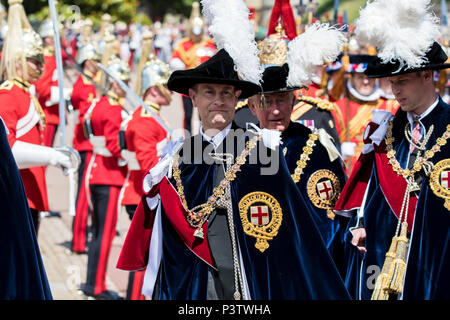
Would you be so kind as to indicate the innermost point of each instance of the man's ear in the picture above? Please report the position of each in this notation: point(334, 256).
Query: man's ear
point(237, 93)
point(192, 95)
point(252, 103)
point(428, 74)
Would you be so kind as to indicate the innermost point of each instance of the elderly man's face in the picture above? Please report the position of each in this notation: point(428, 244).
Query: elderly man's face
point(363, 84)
point(216, 104)
point(277, 114)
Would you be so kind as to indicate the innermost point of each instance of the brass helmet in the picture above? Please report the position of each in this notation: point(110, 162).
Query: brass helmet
point(89, 51)
point(154, 73)
point(46, 29)
point(273, 49)
point(119, 68)
point(196, 23)
point(21, 41)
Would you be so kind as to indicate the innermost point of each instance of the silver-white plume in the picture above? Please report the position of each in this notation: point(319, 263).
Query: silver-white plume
point(231, 29)
point(319, 43)
point(402, 30)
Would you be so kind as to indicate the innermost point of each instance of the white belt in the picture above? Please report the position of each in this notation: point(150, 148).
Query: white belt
point(130, 157)
point(99, 144)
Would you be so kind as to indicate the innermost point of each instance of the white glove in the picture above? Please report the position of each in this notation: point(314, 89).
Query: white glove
point(54, 95)
point(28, 155)
point(348, 149)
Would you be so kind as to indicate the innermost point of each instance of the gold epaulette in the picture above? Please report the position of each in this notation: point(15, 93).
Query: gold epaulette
point(241, 104)
point(318, 103)
point(6, 85)
point(48, 51)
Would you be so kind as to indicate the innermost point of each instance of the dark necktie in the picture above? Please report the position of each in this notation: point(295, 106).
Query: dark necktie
point(416, 138)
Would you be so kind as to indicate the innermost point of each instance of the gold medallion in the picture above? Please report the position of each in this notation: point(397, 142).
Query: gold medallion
point(440, 181)
point(323, 190)
point(265, 216)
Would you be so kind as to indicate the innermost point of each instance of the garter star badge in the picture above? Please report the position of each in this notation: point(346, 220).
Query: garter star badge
point(323, 190)
point(261, 217)
point(440, 181)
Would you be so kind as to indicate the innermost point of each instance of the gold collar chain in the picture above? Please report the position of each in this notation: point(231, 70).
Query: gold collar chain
point(304, 157)
point(421, 161)
point(197, 216)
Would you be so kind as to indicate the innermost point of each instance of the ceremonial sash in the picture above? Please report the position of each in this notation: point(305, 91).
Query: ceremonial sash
point(134, 254)
point(392, 185)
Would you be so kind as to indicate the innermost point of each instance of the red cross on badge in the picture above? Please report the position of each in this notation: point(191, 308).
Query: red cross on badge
point(445, 179)
point(325, 189)
point(259, 215)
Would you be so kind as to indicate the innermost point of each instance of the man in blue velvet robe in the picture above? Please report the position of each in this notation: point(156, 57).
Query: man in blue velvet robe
point(258, 242)
point(399, 187)
point(22, 273)
point(318, 171)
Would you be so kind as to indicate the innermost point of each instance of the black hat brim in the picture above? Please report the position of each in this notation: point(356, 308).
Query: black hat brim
point(436, 61)
point(219, 69)
point(182, 84)
point(391, 71)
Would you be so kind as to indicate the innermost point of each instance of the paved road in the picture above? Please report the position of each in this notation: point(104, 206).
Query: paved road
point(67, 271)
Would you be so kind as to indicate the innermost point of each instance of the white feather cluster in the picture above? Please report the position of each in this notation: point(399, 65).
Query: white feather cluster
point(402, 30)
point(319, 43)
point(231, 29)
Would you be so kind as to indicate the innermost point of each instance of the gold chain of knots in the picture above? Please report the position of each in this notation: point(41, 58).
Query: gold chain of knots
point(198, 215)
point(406, 173)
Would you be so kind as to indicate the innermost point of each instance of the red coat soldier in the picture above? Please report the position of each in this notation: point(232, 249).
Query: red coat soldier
point(47, 85)
point(106, 175)
point(145, 139)
point(191, 52)
point(83, 95)
point(22, 64)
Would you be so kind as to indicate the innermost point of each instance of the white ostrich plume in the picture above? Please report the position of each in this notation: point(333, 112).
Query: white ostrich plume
point(402, 30)
point(319, 43)
point(231, 29)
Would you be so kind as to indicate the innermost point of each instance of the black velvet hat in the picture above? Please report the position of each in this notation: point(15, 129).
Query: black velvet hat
point(359, 62)
point(436, 58)
point(274, 80)
point(219, 69)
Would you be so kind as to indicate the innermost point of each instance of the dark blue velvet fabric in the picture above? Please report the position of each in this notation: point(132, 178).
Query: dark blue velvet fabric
point(296, 265)
point(294, 139)
point(22, 273)
point(428, 261)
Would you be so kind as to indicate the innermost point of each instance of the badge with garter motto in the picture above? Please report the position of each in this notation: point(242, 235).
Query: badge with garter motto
point(440, 181)
point(323, 190)
point(261, 217)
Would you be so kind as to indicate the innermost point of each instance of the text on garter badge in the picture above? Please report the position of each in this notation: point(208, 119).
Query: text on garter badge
point(261, 217)
point(323, 190)
point(440, 181)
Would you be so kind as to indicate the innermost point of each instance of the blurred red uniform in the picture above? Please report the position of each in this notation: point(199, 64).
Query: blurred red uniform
point(24, 118)
point(145, 138)
point(106, 178)
point(83, 94)
point(48, 93)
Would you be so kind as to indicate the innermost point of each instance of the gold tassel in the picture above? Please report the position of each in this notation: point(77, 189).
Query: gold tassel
point(382, 284)
point(397, 269)
point(378, 292)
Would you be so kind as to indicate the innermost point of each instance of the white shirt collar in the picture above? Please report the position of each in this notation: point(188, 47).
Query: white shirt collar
point(411, 116)
point(218, 138)
point(375, 95)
